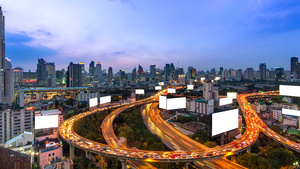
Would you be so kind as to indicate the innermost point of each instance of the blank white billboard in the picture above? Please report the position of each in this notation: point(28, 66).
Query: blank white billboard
point(190, 87)
point(158, 87)
point(202, 78)
point(42, 122)
point(171, 90)
point(291, 112)
point(93, 102)
point(176, 103)
point(105, 99)
point(232, 95)
point(163, 102)
point(139, 91)
point(225, 121)
point(288, 90)
point(224, 101)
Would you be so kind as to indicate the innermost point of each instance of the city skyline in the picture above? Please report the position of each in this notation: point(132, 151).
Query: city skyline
point(204, 35)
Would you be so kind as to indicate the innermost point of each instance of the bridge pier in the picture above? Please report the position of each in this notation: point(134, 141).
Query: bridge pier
point(233, 158)
point(248, 150)
point(123, 163)
point(186, 165)
point(88, 154)
point(72, 149)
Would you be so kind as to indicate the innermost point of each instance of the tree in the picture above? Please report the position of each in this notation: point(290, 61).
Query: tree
point(210, 144)
point(276, 129)
point(253, 161)
point(70, 102)
point(280, 157)
point(126, 131)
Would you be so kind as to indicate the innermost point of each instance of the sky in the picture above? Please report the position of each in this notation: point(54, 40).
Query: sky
point(204, 34)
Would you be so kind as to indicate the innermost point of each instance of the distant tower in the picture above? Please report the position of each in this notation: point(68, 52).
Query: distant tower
point(98, 71)
point(92, 68)
point(262, 71)
point(110, 74)
point(295, 70)
point(2, 40)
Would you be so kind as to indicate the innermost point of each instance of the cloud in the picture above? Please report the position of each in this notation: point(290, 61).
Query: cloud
point(274, 16)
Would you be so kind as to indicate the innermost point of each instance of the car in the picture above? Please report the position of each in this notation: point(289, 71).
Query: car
point(146, 155)
point(189, 157)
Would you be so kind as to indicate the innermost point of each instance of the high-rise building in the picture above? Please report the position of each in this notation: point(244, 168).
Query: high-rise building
point(41, 71)
point(152, 72)
point(167, 72)
point(262, 71)
point(209, 92)
point(60, 77)
point(248, 74)
point(221, 70)
point(9, 86)
point(279, 74)
point(18, 75)
point(51, 69)
point(133, 75)
point(2, 40)
point(191, 73)
point(295, 69)
point(98, 71)
point(74, 75)
point(110, 74)
point(15, 122)
point(140, 72)
point(92, 68)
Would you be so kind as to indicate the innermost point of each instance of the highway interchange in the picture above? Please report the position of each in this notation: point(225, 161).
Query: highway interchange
point(185, 149)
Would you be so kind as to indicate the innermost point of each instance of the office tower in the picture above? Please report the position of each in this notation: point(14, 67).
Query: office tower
point(51, 69)
point(110, 74)
point(74, 75)
point(18, 75)
point(239, 74)
point(279, 74)
point(133, 75)
point(295, 70)
point(248, 74)
point(7, 64)
point(167, 72)
point(213, 71)
point(92, 68)
point(140, 72)
point(2, 40)
point(262, 71)
point(16, 122)
point(221, 70)
point(98, 71)
point(271, 74)
point(152, 72)
point(81, 65)
point(191, 73)
point(209, 92)
point(8, 86)
point(41, 71)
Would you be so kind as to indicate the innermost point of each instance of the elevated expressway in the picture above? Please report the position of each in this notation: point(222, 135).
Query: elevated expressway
point(175, 140)
point(194, 153)
point(251, 114)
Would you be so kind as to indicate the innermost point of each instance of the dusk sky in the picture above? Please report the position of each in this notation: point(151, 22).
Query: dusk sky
point(124, 33)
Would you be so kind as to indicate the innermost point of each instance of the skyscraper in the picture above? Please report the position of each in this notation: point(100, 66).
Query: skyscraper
point(92, 68)
point(295, 67)
point(133, 75)
point(152, 72)
point(279, 74)
point(74, 75)
point(51, 69)
point(262, 71)
point(2, 40)
point(41, 70)
point(110, 74)
point(167, 72)
point(98, 71)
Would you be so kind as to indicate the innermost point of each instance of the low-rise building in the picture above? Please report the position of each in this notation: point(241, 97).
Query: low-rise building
point(204, 107)
point(50, 152)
